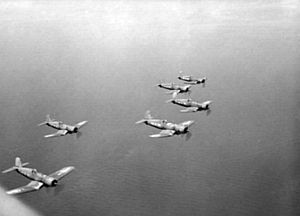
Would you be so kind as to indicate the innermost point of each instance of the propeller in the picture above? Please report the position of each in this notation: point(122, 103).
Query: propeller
point(58, 188)
point(78, 134)
point(186, 135)
point(208, 111)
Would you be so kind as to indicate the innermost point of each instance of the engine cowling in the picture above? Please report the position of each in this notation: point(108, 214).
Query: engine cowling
point(72, 129)
point(50, 181)
point(181, 129)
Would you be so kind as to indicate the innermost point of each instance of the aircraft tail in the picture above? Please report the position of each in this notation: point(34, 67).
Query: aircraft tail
point(170, 100)
point(18, 164)
point(48, 119)
point(180, 74)
point(146, 117)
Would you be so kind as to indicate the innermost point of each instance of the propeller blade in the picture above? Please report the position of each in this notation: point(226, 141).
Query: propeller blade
point(188, 136)
point(78, 134)
point(208, 112)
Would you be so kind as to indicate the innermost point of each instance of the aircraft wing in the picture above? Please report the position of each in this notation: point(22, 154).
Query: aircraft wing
point(191, 82)
point(32, 186)
point(57, 134)
point(175, 93)
point(80, 124)
point(187, 123)
point(190, 109)
point(163, 133)
point(62, 172)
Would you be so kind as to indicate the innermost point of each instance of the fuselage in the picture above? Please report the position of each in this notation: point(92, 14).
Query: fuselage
point(172, 86)
point(192, 80)
point(33, 174)
point(164, 125)
point(157, 123)
point(186, 78)
point(61, 126)
point(186, 103)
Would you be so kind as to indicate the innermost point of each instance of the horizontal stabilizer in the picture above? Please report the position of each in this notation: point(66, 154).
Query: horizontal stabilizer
point(141, 121)
point(10, 169)
point(43, 123)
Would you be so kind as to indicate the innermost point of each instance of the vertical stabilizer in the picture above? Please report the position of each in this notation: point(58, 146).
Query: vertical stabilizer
point(18, 162)
point(148, 115)
point(48, 119)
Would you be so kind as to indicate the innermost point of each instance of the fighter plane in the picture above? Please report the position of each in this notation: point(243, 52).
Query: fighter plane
point(190, 80)
point(38, 179)
point(192, 106)
point(63, 129)
point(168, 129)
point(175, 88)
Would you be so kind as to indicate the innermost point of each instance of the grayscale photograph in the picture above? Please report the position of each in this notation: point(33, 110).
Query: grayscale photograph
point(150, 108)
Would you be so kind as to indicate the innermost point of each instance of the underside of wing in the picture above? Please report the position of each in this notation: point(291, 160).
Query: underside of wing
point(62, 172)
point(163, 133)
point(80, 124)
point(190, 109)
point(191, 82)
point(32, 186)
point(57, 134)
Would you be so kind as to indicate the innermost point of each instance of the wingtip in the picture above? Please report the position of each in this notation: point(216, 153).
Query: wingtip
point(70, 168)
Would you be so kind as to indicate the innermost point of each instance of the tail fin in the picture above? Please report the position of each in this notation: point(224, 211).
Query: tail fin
point(180, 75)
point(48, 119)
point(18, 163)
point(146, 117)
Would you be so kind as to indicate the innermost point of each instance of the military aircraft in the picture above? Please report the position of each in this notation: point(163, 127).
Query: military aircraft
point(190, 80)
point(192, 106)
point(38, 179)
point(168, 129)
point(175, 88)
point(63, 129)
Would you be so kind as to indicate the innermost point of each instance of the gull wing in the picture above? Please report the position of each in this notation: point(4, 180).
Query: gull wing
point(62, 172)
point(190, 109)
point(80, 124)
point(163, 133)
point(193, 82)
point(32, 186)
point(57, 134)
point(187, 123)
